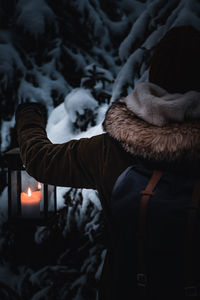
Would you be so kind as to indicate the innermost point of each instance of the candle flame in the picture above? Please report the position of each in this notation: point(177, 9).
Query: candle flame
point(29, 192)
point(39, 186)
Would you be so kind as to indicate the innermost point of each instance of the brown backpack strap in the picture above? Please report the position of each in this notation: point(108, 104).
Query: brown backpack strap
point(146, 194)
point(190, 284)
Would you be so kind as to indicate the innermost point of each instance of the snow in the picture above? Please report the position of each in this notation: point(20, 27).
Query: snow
point(41, 295)
point(145, 24)
point(129, 74)
point(90, 195)
point(121, 41)
point(60, 123)
point(62, 131)
point(39, 234)
point(153, 39)
point(99, 271)
point(4, 206)
point(92, 69)
point(158, 17)
point(77, 101)
point(188, 14)
point(61, 191)
point(77, 57)
point(56, 115)
point(42, 90)
point(108, 59)
point(28, 92)
point(10, 61)
point(135, 7)
point(33, 16)
point(7, 275)
point(5, 133)
point(95, 20)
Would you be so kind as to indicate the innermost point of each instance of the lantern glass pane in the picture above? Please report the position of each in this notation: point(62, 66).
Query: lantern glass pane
point(14, 188)
point(28, 182)
point(31, 196)
point(51, 197)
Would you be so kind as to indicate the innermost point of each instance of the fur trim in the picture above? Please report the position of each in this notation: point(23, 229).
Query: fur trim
point(173, 142)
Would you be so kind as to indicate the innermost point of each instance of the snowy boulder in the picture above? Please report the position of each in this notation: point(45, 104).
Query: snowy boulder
point(59, 128)
point(81, 107)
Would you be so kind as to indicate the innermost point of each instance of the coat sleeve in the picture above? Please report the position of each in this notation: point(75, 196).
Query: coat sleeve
point(77, 163)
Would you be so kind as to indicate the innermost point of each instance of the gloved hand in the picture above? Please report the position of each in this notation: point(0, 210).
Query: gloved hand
point(41, 108)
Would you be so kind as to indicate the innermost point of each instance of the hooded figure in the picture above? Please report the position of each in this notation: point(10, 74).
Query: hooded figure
point(157, 125)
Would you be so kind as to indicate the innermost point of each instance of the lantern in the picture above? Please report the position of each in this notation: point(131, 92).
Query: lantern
point(27, 198)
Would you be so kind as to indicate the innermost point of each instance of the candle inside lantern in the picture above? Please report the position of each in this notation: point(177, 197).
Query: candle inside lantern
point(30, 203)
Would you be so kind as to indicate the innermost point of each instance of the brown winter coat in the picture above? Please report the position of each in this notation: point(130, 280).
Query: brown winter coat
point(97, 162)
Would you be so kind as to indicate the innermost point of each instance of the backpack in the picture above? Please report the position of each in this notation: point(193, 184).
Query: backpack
point(155, 235)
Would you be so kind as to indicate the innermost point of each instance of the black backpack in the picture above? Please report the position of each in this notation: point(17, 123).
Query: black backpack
point(155, 235)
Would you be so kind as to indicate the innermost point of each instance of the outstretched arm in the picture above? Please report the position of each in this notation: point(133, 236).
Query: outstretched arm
point(77, 163)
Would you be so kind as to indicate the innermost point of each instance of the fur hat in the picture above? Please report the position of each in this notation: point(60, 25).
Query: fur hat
point(175, 65)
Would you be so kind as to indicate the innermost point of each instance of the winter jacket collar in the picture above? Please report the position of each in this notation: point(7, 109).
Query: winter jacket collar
point(156, 106)
point(129, 121)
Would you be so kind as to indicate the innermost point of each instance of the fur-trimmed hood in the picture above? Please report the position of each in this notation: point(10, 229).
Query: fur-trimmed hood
point(174, 141)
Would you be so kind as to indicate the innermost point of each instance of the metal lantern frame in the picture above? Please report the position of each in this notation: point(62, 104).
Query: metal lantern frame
point(14, 163)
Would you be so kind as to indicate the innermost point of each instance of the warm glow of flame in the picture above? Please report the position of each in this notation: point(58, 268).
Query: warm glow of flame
point(29, 192)
point(39, 186)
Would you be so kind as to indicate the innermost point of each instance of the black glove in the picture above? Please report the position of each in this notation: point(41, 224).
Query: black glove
point(41, 108)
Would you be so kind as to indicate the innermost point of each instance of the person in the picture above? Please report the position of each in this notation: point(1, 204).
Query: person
point(157, 125)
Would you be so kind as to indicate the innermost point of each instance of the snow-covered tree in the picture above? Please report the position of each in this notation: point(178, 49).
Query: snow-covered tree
point(74, 56)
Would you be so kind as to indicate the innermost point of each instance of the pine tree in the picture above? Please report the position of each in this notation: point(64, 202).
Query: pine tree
point(48, 50)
